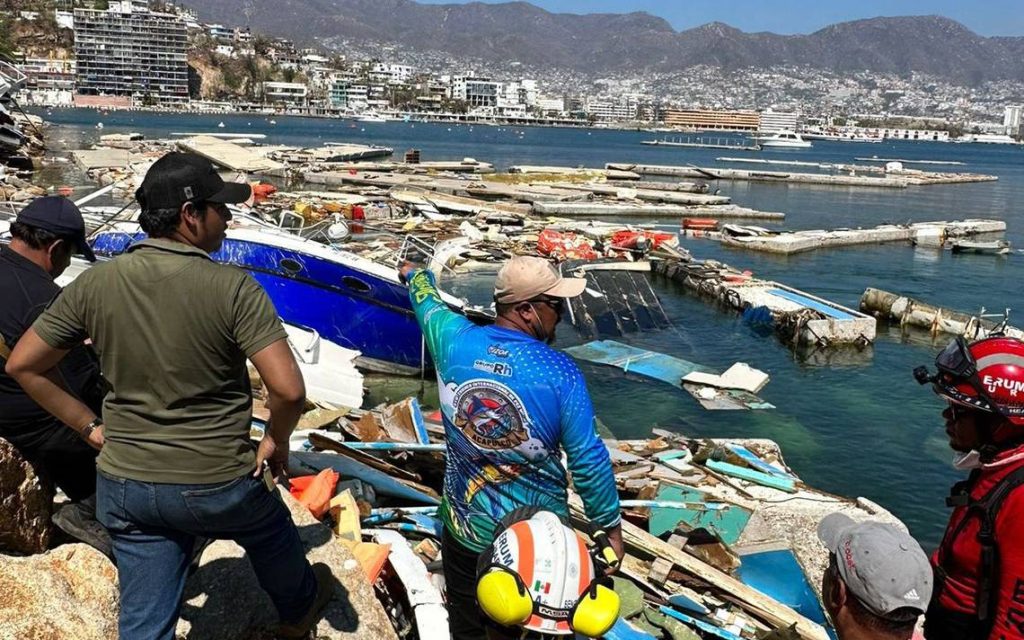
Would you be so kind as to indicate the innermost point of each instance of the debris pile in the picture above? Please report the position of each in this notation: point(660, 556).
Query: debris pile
point(700, 519)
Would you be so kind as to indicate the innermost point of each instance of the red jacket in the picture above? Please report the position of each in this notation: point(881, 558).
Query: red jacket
point(960, 558)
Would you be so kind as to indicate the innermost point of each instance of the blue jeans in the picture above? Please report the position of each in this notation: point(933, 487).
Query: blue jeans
point(154, 527)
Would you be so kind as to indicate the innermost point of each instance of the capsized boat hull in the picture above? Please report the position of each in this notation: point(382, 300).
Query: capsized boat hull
point(350, 307)
point(1000, 247)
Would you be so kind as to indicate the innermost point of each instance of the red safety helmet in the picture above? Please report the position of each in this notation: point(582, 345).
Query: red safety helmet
point(987, 375)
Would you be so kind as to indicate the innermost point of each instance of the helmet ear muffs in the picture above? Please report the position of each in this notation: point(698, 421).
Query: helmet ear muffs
point(596, 611)
point(503, 597)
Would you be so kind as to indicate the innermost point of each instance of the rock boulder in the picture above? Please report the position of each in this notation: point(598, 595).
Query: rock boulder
point(26, 503)
point(223, 600)
point(69, 592)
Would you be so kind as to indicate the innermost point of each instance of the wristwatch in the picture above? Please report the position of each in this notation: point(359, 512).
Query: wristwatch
point(92, 426)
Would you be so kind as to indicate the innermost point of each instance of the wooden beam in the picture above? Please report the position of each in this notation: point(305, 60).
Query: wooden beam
point(750, 599)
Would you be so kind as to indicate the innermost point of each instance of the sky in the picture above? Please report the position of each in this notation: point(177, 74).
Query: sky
point(985, 17)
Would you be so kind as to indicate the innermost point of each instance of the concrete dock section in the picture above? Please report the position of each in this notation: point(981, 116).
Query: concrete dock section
point(799, 318)
point(891, 180)
point(932, 233)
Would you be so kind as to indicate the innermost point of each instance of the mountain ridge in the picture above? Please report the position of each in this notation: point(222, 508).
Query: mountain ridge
point(631, 42)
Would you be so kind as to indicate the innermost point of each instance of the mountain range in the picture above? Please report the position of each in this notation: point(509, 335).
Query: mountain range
point(630, 42)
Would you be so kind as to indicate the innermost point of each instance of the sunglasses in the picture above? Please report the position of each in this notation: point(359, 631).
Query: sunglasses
point(556, 304)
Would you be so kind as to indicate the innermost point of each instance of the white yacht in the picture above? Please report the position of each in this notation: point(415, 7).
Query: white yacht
point(784, 140)
point(371, 116)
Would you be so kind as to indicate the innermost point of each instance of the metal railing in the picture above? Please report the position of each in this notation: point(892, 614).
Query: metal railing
point(12, 75)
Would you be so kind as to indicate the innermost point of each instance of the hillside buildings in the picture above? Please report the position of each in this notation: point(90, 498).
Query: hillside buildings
point(130, 54)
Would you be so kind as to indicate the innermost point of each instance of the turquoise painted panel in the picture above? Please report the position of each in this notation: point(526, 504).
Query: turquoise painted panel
point(634, 360)
point(726, 522)
point(775, 482)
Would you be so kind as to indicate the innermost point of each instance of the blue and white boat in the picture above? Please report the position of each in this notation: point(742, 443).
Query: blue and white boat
point(348, 299)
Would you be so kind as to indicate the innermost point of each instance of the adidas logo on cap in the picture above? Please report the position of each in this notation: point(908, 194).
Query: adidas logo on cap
point(911, 595)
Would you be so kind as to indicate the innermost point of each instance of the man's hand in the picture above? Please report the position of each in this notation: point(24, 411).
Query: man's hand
point(405, 270)
point(610, 541)
point(287, 398)
point(274, 455)
point(95, 439)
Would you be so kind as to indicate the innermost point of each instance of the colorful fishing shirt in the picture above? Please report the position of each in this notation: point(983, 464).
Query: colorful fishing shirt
point(510, 405)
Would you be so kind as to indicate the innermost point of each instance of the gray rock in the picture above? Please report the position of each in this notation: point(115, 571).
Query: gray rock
point(69, 592)
point(26, 503)
point(223, 600)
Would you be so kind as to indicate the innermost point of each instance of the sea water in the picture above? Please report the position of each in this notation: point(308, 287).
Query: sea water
point(859, 426)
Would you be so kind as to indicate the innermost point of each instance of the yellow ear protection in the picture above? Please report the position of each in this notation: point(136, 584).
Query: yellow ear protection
point(503, 596)
point(506, 599)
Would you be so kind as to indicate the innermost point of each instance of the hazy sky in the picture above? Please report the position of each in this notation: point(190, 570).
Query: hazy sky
point(986, 17)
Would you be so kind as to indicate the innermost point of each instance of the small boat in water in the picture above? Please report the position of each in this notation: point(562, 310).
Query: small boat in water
point(783, 140)
point(991, 247)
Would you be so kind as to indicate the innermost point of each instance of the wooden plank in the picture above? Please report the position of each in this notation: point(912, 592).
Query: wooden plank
point(307, 462)
point(749, 599)
point(321, 441)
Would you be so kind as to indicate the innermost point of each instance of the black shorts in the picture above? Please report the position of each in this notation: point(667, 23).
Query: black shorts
point(465, 619)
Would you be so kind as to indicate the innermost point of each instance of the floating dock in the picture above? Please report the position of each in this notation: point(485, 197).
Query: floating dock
point(601, 209)
point(609, 174)
point(907, 161)
point(574, 199)
point(909, 312)
point(890, 181)
point(703, 143)
point(931, 234)
point(799, 318)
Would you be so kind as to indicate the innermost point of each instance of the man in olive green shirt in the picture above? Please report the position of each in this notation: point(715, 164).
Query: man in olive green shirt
point(173, 330)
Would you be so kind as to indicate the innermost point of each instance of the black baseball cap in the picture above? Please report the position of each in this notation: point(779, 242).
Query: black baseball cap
point(178, 178)
point(61, 217)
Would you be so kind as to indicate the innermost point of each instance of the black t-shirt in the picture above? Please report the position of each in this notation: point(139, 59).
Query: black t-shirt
point(25, 291)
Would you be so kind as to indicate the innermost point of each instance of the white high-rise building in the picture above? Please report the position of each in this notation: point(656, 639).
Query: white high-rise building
point(129, 51)
point(1013, 118)
point(772, 121)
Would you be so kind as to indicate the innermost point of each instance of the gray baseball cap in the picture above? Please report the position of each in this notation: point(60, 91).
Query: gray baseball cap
point(883, 567)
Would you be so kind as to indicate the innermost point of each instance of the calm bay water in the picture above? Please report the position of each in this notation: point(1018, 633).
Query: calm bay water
point(860, 427)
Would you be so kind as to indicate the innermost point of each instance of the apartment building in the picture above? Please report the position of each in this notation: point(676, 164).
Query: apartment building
point(1013, 120)
point(129, 51)
point(292, 94)
point(772, 121)
point(614, 109)
point(50, 82)
point(477, 92)
point(713, 119)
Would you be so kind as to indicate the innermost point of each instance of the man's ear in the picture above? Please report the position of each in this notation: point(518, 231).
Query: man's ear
point(56, 247)
point(190, 215)
point(837, 594)
point(525, 309)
